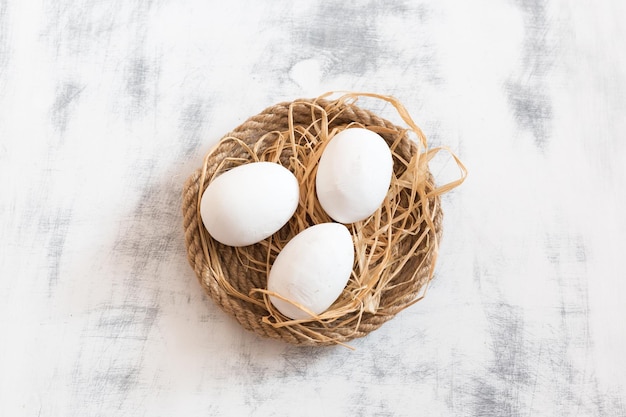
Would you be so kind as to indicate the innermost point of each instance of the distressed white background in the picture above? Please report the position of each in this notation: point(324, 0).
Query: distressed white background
point(107, 106)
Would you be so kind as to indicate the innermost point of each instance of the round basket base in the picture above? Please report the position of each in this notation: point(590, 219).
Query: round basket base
point(395, 249)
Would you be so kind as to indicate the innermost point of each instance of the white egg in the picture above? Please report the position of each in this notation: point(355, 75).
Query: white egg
point(353, 175)
point(312, 269)
point(249, 203)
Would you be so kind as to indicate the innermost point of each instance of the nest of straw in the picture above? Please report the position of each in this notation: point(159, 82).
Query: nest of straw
point(395, 248)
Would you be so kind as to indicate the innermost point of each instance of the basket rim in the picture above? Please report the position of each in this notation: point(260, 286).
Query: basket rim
point(245, 313)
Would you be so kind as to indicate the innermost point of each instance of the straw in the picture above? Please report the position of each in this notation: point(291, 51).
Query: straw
point(395, 248)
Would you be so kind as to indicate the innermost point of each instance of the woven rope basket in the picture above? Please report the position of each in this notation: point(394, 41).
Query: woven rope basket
point(396, 248)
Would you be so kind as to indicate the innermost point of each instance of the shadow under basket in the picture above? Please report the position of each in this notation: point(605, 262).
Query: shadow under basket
point(395, 248)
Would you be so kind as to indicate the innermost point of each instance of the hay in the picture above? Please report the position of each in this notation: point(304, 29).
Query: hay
point(395, 248)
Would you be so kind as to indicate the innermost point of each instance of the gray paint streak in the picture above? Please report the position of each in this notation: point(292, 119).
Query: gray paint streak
point(56, 227)
point(527, 93)
point(4, 41)
point(192, 123)
point(67, 95)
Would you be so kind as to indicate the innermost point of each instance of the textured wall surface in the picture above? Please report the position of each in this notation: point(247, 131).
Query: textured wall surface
point(106, 108)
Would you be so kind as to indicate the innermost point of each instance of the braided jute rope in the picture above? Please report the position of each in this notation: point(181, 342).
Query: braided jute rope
point(395, 248)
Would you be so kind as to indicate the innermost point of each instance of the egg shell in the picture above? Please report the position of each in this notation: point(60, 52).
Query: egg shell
point(249, 203)
point(353, 175)
point(312, 269)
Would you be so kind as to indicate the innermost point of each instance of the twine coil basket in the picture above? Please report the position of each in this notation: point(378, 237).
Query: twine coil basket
point(395, 248)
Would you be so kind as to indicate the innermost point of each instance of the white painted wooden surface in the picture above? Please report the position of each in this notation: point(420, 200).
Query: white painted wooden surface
point(106, 108)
